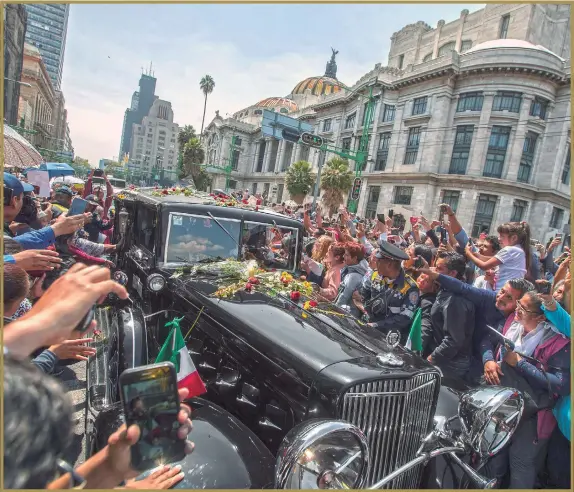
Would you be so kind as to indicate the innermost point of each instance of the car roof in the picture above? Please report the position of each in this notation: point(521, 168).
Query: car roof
point(180, 203)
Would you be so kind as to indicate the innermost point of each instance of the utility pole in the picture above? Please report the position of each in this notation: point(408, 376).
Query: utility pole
point(322, 155)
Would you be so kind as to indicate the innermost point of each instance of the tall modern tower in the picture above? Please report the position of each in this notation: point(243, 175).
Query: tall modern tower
point(141, 103)
point(46, 29)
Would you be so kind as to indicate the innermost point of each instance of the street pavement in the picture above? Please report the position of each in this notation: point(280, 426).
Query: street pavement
point(74, 381)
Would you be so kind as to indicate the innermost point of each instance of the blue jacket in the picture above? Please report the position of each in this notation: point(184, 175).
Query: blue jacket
point(33, 239)
point(561, 320)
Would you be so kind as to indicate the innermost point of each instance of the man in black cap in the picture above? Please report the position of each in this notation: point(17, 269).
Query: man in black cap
point(390, 296)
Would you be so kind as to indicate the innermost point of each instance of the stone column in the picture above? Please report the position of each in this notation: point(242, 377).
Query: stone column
point(374, 137)
point(396, 149)
point(268, 150)
point(297, 152)
point(280, 156)
point(437, 38)
point(257, 145)
point(463, 15)
point(480, 138)
point(514, 152)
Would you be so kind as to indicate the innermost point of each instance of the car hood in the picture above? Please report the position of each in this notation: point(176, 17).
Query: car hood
point(300, 341)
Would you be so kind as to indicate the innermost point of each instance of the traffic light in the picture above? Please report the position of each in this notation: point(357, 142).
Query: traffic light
point(290, 135)
point(312, 140)
point(356, 191)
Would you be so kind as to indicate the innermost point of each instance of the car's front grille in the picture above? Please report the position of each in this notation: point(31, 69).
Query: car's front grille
point(395, 415)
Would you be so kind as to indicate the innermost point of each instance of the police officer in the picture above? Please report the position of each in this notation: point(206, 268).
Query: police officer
point(390, 296)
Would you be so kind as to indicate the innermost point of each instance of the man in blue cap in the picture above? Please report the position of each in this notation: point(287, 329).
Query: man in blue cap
point(390, 296)
point(14, 198)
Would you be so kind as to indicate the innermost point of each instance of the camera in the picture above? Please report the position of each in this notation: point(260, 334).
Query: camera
point(29, 212)
point(98, 173)
point(544, 287)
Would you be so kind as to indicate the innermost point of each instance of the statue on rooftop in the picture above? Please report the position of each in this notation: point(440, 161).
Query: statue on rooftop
point(331, 69)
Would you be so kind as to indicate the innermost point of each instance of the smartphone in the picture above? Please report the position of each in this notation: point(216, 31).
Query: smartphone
point(391, 213)
point(470, 243)
point(151, 401)
point(443, 238)
point(558, 236)
point(78, 207)
point(381, 218)
point(419, 262)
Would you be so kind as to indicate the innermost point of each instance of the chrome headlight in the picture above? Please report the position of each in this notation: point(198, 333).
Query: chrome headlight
point(322, 454)
point(489, 416)
point(155, 282)
point(121, 278)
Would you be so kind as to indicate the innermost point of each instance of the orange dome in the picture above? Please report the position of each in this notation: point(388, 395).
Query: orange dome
point(278, 102)
point(318, 85)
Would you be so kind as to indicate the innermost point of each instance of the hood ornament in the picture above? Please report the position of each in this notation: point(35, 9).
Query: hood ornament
point(389, 360)
point(393, 338)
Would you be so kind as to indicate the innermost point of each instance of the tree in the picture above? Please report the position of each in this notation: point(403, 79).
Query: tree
point(81, 167)
point(185, 135)
point(206, 84)
point(192, 160)
point(299, 180)
point(336, 182)
point(113, 168)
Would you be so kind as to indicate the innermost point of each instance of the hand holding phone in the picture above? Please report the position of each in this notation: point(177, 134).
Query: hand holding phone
point(419, 262)
point(78, 207)
point(151, 401)
point(381, 218)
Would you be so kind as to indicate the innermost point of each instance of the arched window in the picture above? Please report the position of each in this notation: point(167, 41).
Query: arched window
point(466, 45)
point(445, 49)
point(257, 112)
point(427, 58)
point(284, 110)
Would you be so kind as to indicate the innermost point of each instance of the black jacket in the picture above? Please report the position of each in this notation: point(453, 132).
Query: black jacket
point(452, 318)
point(427, 302)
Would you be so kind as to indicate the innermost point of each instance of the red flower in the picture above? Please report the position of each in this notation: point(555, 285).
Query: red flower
point(248, 287)
point(173, 189)
point(295, 295)
point(313, 303)
point(164, 192)
point(253, 280)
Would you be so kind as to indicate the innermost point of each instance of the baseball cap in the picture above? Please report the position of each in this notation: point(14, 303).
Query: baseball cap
point(65, 190)
point(17, 186)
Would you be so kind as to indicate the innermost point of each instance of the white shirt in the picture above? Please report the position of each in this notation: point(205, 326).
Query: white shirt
point(513, 265)
point(481, 283)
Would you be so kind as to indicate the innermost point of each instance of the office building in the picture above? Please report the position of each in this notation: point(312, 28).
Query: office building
point(47, 28)
point(140, 106)
point(154, 148)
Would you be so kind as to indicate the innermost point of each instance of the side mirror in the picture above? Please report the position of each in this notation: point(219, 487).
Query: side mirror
point(322, 454)
point(489, 416)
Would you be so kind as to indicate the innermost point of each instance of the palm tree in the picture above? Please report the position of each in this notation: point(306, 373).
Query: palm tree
point(185, 135)
point(336, 181)
point(206, 84)
point(193, 157)
point(299, 180)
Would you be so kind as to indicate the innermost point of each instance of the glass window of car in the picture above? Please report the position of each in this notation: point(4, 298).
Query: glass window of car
point(194, 238)
point(145, 229)
point(271, 246)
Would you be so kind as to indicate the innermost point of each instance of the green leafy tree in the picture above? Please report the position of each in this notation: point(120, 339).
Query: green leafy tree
point(336, 182)
point(299, 180)
point(81, 167)
point(192, 160)
point(115, 169)
point(185, 135)
point(206, 84)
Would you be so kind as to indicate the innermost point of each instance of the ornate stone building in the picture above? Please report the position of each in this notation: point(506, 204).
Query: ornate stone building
point(475, 113)
point(14, 33)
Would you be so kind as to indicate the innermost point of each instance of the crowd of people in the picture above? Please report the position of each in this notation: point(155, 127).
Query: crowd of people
point(453, 299)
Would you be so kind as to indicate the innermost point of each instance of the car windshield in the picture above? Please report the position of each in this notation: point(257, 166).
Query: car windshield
point(194, 238)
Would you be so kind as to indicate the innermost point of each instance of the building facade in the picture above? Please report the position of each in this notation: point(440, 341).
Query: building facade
point(14, 34)
point(47, 29)
point(37, 101)
point(140, 106)
point(475, 112)
point(154, 144)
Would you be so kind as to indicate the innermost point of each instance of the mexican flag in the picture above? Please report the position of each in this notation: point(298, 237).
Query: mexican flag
point(175, 351)
point(415, 341)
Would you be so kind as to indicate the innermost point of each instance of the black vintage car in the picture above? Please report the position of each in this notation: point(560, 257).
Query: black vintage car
point(297, 397)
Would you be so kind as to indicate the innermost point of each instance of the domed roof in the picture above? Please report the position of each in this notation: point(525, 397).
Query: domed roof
point(509, 43)
point(318, 85)
point(278, 102)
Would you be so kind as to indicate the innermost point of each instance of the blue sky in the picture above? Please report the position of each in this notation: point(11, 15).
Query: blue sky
point(251, 51)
